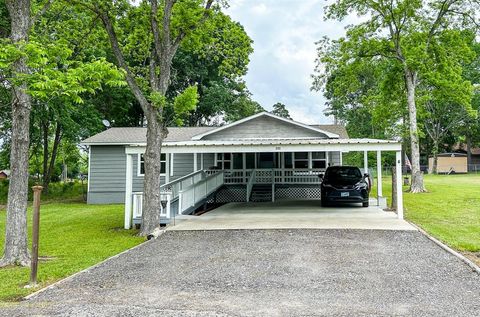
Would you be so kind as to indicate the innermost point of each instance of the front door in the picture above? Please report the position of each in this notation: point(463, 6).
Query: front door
point(268, 160)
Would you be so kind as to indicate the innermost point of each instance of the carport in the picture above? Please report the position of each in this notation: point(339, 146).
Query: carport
point(291, 214)
point(259, 158)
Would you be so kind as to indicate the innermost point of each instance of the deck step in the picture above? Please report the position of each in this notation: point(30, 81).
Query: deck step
point(261, 193)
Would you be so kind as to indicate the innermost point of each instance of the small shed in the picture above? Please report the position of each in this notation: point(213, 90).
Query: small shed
point(449, 163)
point(4, 174)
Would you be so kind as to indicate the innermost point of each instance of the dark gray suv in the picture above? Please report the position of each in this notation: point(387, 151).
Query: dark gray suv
point(344, 184)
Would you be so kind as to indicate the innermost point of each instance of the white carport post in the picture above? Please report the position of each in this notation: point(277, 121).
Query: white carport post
point(398, 167)
point(365, 162)
point(128, 192)
point(379, 176)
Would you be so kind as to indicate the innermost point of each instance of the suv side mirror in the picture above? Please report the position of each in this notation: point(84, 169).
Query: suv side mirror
point(366, 175)
point(320, 176)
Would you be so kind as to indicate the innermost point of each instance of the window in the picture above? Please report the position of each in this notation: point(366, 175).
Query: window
point(237, 161)
point(224, 161)
point(288, 160)
point(141, 165)
point(250, 161)
point(300, 160)
point(319, 160)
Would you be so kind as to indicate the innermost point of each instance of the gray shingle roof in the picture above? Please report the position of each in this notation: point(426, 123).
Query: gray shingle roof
point(138, 135)
point(333, 128)
point(175, 134)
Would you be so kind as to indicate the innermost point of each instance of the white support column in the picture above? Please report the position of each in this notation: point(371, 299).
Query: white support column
point(128, 192)
point(89, 164)
point(201, 162)
point(365, 162)
point(167, 168)
point(379, 174)
point(195, 162)
point(379, 180)
point(341, 158)
point(398, 167)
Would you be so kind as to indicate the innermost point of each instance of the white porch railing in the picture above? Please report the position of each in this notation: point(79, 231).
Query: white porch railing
point(194, 187)
point(137, 202)
point(189, 197)
point(275, 176)
point(180, 183)
point(251, 181)
point(169, 192)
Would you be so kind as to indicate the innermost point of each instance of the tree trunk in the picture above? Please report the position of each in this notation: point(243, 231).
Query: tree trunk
point(151, 187)
point(51, 165)
point(435, 157)
point(393, 206)
point(469, 153)
point(417, 185)
point(45, 150)
point(16, 250)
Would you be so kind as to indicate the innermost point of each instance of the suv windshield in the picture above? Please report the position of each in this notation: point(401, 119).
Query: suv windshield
point(343, 173)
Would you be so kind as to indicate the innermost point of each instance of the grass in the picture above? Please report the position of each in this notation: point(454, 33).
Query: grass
point(75, 236)
point(450, 210)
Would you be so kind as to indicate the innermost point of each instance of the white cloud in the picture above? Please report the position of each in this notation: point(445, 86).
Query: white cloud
point(284, 34)
point(259, 9)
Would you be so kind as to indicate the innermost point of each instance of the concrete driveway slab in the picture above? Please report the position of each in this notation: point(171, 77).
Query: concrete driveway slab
point(291, 215)
point(270, 273)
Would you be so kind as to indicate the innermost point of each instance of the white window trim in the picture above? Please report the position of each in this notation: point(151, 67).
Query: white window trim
point(139, 163)
point(311, 159)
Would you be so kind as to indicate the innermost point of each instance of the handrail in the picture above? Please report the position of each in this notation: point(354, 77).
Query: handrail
point(251, 181)
point(188, 197)
point(178, 180)
point(177, 185)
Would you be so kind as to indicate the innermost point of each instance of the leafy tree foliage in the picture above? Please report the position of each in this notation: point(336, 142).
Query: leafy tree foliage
point(36, 68)
point(420, 44)
point(279, 109)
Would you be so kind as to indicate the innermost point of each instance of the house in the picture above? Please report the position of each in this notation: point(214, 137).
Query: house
point(261, 157)
point(448, 163)
point(4, 174)
point(473, 156)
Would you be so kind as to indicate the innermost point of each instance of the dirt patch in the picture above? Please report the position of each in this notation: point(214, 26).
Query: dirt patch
point(473, 256)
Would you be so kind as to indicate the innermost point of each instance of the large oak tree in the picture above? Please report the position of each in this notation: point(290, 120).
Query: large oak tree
point(418, 40)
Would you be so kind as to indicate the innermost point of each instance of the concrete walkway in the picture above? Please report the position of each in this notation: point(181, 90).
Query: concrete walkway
point(291, 215)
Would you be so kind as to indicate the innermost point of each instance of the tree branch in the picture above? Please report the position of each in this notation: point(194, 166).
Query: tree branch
point(42, 11)
point(183, 33)
point(130, 77)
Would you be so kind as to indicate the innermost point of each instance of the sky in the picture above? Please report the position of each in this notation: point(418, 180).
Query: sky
point(284, 34)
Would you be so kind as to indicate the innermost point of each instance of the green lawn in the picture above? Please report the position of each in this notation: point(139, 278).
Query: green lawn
point(450, 210)
point(76, 236)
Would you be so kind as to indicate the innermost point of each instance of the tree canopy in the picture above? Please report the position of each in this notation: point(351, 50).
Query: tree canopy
point(404, 57)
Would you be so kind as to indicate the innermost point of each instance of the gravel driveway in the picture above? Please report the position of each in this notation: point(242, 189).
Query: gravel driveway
point(270, 273)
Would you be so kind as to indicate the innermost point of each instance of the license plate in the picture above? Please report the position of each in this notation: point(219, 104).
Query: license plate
point(344, 194)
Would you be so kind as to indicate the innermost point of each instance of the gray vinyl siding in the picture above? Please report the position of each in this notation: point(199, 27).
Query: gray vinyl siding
point(137, 182)
point(107, 174)
point(334, 158)
point(265, 127)
point(182, 165)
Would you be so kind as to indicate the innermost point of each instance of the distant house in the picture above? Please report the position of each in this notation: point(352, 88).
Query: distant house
point(474, 160)
point(260, 158)
point(4, 174)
